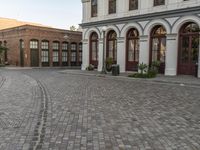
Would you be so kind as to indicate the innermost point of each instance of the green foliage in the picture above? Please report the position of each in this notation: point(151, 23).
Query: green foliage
point(72, 28)
point(90, 67)
point(109, 63)
point(155, 66)
point(142, 67)
point(151, 73)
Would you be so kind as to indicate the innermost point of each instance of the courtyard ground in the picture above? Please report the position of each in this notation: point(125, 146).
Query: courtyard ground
point(58, 109)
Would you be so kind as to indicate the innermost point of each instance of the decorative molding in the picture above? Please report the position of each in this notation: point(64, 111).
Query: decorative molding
point(150, 16)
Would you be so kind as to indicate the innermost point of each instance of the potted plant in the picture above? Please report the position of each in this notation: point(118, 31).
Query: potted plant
point(90, 67)
point(109, 63)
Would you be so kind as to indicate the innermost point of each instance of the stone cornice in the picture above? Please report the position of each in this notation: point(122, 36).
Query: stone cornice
point(150, 16)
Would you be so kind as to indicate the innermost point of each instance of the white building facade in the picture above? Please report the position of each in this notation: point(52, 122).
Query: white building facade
point(143, 31)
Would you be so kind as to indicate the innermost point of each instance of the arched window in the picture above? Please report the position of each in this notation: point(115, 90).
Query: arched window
point(158, 46)
point(45, 53)
point(112, 6)
point(65, 53)
point(73, 54)
point(94, 49)
point(112, 45)
point(34, 48)
point(94, 8)
point(188, 49)
point(132, 52)
point(56, 47)
point(133, 4)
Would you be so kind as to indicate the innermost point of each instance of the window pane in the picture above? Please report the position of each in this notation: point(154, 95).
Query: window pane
point(45, 45)
point(55, 56)
point(73, 56)
point(64, 56)
point(45, 56)
point(65, 46)
point(131, 50)
point(185, 50)
point(155, 49)
point(133, 4)
point(112, 6)
point(55, 46)
point(33, 44)
point(162, 49)
point(94, 8)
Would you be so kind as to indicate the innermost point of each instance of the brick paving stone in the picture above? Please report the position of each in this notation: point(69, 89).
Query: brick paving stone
point(96, 113)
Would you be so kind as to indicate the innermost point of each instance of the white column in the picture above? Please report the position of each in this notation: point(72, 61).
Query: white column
point(171, 55)
point(100, 54)
point(121, 54)
point(85, 61)
point(144, 50)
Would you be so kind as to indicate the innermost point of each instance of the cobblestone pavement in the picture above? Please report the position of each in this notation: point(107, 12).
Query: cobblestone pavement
point(46, 109)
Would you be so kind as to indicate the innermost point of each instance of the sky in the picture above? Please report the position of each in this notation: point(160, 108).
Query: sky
point(55, 13)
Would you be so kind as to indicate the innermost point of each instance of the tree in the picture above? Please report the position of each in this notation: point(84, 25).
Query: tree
point(72, 28)
point(2, 51)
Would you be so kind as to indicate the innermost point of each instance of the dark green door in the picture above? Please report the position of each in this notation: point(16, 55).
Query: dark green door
point(34, 58)
point(21, 57)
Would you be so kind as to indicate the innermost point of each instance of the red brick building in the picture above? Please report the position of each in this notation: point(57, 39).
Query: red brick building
point(36, 46)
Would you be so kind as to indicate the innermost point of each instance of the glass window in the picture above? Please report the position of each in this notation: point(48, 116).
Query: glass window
point(73, 56)
point(55, 45)
point(55, 56)
point(133, 4)
point(73, 47)
point(45, 56)
point(64, 56)
point(33, 44)
point(159, 2)
point(112, 45)
point(112, 6)
point(65, 46)
point(45, 45)
point(94, 8)
point(133, 45)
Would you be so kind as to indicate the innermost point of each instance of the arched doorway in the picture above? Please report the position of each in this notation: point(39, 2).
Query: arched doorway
point(188, 48)
point(158, 46)
point(112, 46)
point(132, 50)
point(94, 49)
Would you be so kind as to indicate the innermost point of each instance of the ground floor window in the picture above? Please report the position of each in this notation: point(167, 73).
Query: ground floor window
point(73, 54)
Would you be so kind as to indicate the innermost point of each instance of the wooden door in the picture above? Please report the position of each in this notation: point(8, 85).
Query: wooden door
point(188, 54)
point(34, 58)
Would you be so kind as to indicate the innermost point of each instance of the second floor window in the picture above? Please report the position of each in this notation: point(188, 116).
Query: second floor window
point(133, 4)
point(159, 2)
point(112, 6)
point(94, 8)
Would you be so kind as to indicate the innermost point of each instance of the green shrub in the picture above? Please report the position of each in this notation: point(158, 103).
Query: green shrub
point(90, 67)
point(109, 63)
point(142, 68)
